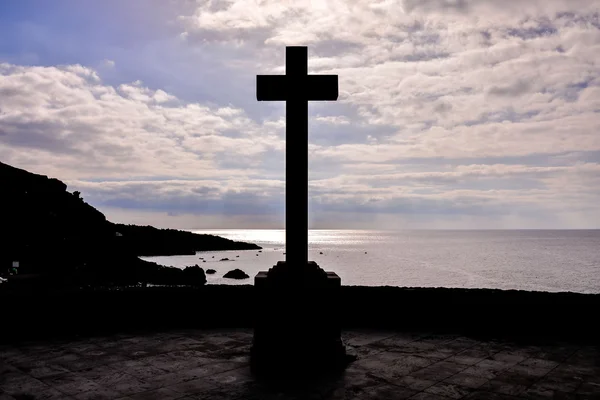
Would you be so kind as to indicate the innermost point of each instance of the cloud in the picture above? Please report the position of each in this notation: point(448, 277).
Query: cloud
point(334, 120)
point(65, 116)
point(515, 89)
point(481, 111)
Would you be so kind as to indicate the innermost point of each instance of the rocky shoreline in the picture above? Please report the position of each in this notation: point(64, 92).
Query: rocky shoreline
point(55, 236)
point(151, 241)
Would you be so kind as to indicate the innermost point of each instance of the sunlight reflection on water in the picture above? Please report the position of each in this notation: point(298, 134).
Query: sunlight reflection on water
point(526, 259)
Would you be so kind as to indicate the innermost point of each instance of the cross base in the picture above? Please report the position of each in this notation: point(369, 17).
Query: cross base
point(297, 329)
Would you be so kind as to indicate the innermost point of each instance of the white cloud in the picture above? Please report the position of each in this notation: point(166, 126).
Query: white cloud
point(333, 119)
point(95, 129)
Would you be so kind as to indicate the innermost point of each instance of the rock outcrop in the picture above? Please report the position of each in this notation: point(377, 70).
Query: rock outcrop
point(194, 275)
point(236, 274)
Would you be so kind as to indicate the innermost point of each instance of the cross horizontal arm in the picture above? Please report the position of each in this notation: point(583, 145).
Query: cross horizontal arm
point(322, 87)
point(285, 87)
point(271, 88)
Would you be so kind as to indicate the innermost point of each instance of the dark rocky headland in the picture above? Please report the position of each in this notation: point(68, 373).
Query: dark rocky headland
point(60, 239)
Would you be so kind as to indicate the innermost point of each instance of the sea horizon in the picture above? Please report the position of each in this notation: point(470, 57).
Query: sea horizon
point(551, 260)
point(395, 230)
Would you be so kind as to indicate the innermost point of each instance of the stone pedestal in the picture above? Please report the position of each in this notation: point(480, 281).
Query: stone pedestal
point(296, 323)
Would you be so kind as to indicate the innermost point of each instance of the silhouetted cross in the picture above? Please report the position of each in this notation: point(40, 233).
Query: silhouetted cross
point(296, 88)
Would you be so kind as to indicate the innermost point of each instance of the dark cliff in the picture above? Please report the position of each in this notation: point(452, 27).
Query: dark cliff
point(50, 230)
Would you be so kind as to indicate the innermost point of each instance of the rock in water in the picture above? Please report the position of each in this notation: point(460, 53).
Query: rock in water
point(236, 274)
point(194, 276)
point(225, 259)
point(210, 271)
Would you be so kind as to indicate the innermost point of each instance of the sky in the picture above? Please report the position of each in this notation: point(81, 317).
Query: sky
point(452, 114)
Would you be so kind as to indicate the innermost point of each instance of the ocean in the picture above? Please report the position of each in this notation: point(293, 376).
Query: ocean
point(543, 260)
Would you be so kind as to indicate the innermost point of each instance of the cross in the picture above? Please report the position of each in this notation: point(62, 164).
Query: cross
point(296, 88)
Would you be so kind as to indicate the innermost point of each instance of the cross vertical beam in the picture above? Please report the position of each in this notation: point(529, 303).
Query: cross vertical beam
point(297, 88)
point(296, 160)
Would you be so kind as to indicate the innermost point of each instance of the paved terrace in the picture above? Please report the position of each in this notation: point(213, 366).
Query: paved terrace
point(213, 364)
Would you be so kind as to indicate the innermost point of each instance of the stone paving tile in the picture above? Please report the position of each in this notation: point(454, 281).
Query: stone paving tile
point(471, 356)
point(483, 395)
point(515, 377)
point(449, 390)
point(438, 353)
point(578, 370)
point(123, 383)
point(388, 342)
point(508, 358)
point(559, 380)
point(466, 380)
point(439, 371)
point(45, 394)
point(22, 384)
point(528, 371)
point(238, 376)
point(539, 393)
point(157, 394)
point(559, 353)
point(538, 363)
point(98, 393)
point(387, 391)
point(416, 348)
point(98, 373)
point(213, 394)
point(365, 337)
point(170, 364)
point(353, 381)
point(363, 351)
point(71, 383)
point(393, 365)
point(427, 396)
point(588, 356)
point(487, 368)
point(144, 371)
point(501, 387)
point(165, 380)
point(413, 383)
point(589, 389)
point(194, 386)
point(209, 369)
point(237, 354)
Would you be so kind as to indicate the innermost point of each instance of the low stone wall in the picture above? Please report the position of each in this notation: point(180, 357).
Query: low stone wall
point(468, 311)
point(487, 312)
